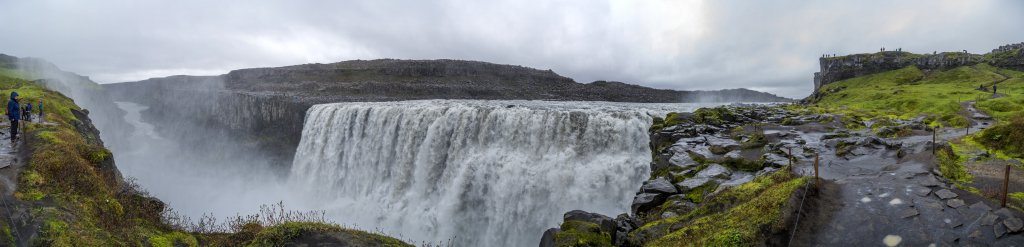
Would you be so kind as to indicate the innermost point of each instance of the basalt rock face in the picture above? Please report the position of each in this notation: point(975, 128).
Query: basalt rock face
point(835, 69)
point(839, 68)
point(389, 79)
point(1009, 56)
point(198, 109)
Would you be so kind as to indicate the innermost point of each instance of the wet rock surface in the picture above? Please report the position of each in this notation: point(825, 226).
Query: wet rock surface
point(883, 189)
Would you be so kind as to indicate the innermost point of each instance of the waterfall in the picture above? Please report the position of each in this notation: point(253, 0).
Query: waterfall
point(486, 173)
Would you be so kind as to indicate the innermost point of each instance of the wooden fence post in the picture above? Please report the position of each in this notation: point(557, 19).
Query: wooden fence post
point(1006, 183)
point(815, 166)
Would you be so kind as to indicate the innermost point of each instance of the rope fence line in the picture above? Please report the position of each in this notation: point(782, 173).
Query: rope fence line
point(803, 197)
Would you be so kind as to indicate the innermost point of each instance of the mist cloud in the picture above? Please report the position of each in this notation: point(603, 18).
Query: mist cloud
point(770, 46)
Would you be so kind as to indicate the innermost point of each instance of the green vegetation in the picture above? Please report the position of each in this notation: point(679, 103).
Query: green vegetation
point(907, 93)
point(580, 233)
point(1005, 139)
point(738, 216)
point(951, 164)
point(713, 116)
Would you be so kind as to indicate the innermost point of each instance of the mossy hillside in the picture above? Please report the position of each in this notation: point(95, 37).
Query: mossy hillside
point(1006, 139)
point(72, 180)
point(734, 217)
point(909, 92)
point(79, 199)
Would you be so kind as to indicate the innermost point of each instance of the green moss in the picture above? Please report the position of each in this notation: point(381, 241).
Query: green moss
point(673, 118)
point(49, 137)
point(956, 121)
point(756, 140)
point(580, 233)
point(951, 165)
point(99, 155)
point(852, 122)
point(172, 239)
point(713, 116)
point(657, 123)
point(281, 234)
point(790, 121)
point(743, 225)
point(8, 238)
point(744, 164)
point(909, 92)
point(696, 195)
point(1004, 138)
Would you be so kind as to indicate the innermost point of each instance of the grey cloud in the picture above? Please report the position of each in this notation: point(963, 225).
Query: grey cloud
point(691, 45)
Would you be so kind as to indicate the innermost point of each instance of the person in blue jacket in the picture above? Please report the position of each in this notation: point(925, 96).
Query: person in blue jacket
point(14, 114)
point(40, 109)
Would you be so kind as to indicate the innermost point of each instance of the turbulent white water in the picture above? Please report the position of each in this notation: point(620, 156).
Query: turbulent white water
point(487, 173)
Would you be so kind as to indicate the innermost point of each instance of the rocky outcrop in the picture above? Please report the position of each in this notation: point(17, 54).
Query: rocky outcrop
point(391, 79)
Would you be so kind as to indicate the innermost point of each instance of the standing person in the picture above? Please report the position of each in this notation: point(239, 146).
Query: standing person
point(28, 110)
point(40, 109)
point(14, 114)
point(993, 89)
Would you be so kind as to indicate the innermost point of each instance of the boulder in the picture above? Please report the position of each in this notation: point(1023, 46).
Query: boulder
point(692, 183)
point(1013, 225)
point(775, 160)
point(682, 159)
point(624, 223)
point(606, 223)
point(679, 204)
point(660, 162)
point(736, 181)
point(659, 185)
point(644, 202)
point(945, 194)
point(718, 145)
point(765, 171)
point(548, 239)
point(668, 214)
point(702, 151)
point(715, 171)
point(682, 174)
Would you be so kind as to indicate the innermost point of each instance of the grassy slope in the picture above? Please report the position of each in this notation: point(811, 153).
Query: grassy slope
point(78, 201)
point(909, 92)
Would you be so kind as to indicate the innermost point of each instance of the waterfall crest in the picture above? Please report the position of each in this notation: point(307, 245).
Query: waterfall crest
point(487, 173)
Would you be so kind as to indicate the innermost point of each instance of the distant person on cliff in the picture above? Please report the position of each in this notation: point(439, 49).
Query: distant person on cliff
point(40, 108)
point(993, 89)
point(14, 114)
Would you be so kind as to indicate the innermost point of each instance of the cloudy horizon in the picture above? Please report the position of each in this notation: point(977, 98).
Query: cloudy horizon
point(682, 45)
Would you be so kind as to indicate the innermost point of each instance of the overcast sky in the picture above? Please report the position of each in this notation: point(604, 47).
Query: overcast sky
point(770, 46)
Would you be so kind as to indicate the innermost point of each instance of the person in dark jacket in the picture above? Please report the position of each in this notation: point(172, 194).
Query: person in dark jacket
point(40, 109)
point(14, 114)
point(28, 111)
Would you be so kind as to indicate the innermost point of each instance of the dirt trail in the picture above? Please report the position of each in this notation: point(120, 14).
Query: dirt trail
point(876, 195)
point(13, 212)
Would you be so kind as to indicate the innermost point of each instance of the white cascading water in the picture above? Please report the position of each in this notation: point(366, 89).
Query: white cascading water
point(480, 173)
